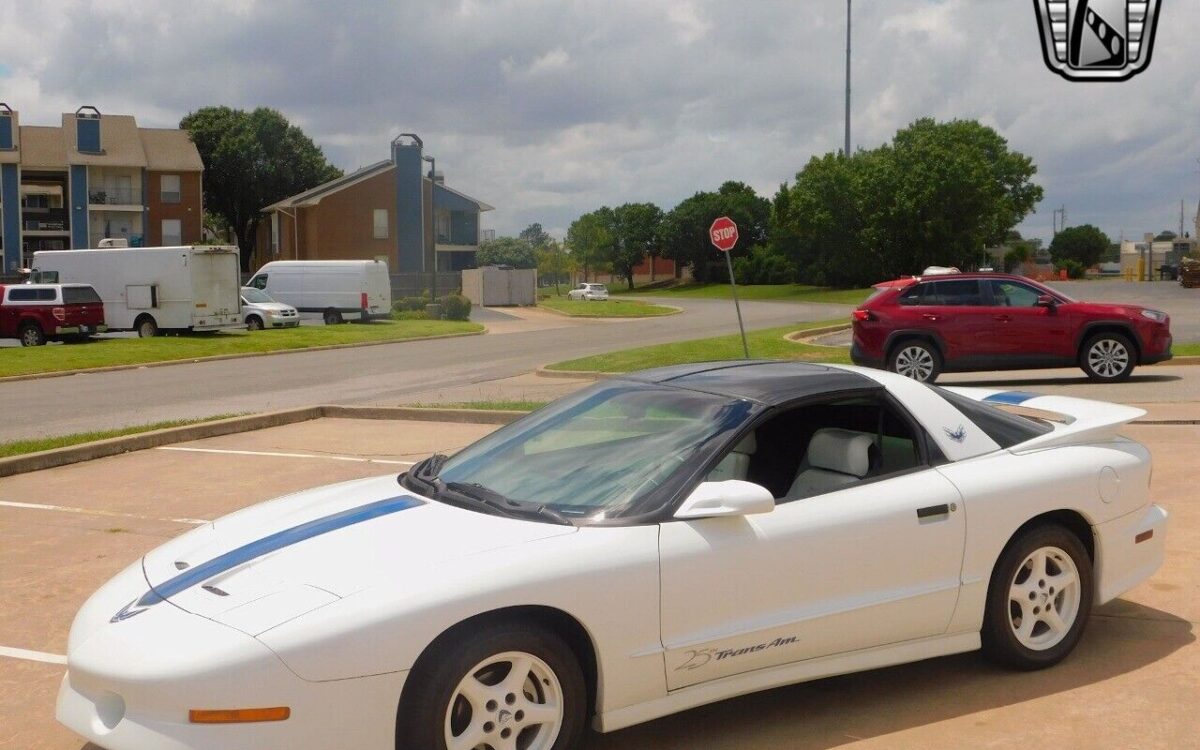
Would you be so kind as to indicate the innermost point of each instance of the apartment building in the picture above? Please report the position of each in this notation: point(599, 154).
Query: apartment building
point(91, 177)
point(394, 209)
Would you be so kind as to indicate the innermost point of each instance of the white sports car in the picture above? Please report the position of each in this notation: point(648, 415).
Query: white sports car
point(653, 543)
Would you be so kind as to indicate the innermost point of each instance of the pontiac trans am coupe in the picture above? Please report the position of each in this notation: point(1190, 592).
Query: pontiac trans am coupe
point(652, 543)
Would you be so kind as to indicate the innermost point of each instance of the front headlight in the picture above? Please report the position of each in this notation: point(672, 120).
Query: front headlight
point(1157, 316)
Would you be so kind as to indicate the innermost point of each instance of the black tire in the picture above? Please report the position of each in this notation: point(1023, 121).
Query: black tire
point(147, 327)
point(332, 317)
point(254, 323)
point(917, 359)
point(31, 334)
point(1108, 357)
point(1003, 613)
point(433, 682)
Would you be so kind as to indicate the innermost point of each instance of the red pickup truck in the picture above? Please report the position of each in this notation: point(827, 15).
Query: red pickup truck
point(36, 313)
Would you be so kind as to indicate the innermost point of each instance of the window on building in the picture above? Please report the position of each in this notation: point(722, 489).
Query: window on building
point(443, 226)
point(381, 224)
point(169, 188)
point(172, 232)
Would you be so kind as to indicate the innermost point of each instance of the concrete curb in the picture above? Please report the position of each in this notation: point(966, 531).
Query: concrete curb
point(219, 357)
point(805, 336)
point(673, 311)
point(73, 454)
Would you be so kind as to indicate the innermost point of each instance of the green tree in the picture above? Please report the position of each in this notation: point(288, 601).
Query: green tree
point(1165, 236)
point(590, 238)
point(684, 230)
point(636, 236)
point(1084, 244)
point(937, 195)
point(252, 159)
point(552, 262)
point(506, 251)
point(535, 236)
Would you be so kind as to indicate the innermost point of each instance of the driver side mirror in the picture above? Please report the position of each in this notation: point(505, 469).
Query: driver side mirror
point(733, 497)
point(1045, 300)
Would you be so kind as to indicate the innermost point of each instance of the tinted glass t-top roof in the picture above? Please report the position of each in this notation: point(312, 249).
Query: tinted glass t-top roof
point(765, 381)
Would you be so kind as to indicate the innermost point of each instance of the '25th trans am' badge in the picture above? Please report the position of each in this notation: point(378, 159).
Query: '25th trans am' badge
point(1097, 40)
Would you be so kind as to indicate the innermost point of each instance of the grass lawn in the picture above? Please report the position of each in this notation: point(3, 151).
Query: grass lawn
point(610, 309)
point(786, 292)
point(768, 343)
point(1185, 350)
point(486, 405)
point(21, 447)
point(107, 352)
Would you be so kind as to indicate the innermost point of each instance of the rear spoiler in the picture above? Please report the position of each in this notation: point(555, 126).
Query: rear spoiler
point(1078, 420)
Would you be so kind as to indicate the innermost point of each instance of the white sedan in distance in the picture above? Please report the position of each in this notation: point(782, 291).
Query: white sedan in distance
point(589, 293)
point(655, 542)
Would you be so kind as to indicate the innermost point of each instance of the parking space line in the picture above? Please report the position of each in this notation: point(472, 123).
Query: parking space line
point(42, 656)
point(97, 512)
point(271, 454)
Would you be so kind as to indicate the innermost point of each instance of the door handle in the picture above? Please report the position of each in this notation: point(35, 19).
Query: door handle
point(929, 316)
point(933, 510)
point(1002, 318)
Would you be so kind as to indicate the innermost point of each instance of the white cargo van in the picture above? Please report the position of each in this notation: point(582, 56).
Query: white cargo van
point(152, 289)
point(331, 290)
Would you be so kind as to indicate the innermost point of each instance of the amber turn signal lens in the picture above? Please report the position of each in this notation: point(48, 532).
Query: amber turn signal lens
point(238, 715)
point(1143, 536)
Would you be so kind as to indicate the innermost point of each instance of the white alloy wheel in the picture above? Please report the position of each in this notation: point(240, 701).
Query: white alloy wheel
point(1108, 358)
point(1043, 598)
point(915, 362)
point(509, 701)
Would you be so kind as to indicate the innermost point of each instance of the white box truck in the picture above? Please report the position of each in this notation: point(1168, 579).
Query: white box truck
point(152, 289)
point(331, 290)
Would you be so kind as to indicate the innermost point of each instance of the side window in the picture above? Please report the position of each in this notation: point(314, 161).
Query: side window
point(1013, 294)
point(47, 295)
point(22, 295)
point(917, 295)
point(960, 293)
point(819, 448)
point(259, 282)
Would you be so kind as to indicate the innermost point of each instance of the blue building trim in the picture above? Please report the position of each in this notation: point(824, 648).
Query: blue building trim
point(144, 240)
point(78, 201)
point(410, 235)
point(10, 200)
point(6, 131)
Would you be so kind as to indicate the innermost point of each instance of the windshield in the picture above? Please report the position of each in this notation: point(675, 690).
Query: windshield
point(255, 296)
point(603, 453)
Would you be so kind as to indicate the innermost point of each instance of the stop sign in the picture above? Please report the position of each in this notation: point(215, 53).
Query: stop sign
point(723, 233)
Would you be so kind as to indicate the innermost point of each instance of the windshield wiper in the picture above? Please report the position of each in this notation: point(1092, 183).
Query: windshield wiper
point(424, 474)
point(481, 495)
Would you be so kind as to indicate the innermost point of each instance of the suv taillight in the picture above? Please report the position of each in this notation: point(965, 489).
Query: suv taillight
point(60, 314)
point(862, 315)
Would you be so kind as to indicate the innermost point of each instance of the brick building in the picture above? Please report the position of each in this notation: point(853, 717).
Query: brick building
point(393, 208)
point(91, 177)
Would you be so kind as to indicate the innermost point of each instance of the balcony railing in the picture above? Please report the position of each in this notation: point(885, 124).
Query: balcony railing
point(115, 197)
point(46, 220)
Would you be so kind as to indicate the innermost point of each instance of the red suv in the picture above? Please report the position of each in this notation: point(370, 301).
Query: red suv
point(922, 326)
point(34, 313)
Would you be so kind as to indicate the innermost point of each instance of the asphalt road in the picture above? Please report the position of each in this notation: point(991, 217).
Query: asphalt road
point(369, 375)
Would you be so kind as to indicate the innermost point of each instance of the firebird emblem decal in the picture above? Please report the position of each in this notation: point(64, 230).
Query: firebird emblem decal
point(958, 435)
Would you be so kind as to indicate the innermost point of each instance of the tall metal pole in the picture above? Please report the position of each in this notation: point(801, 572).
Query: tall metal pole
point(736, 305)
point(847, 151)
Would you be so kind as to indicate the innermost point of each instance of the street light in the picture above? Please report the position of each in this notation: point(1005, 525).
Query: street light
point(433, 234)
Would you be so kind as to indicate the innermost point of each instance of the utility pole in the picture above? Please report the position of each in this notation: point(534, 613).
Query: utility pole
point(1060, 219)
point(847, 151)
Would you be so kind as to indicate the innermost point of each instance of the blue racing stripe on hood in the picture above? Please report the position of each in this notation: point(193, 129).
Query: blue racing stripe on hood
point(1011, 397)
point(265, 546)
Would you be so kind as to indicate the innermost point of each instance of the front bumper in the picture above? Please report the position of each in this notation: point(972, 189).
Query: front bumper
point(1163, 355)
point(1122, 560)
point(130, 684)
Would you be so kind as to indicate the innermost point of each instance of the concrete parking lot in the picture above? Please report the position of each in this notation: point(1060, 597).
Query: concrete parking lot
point(1131, 683)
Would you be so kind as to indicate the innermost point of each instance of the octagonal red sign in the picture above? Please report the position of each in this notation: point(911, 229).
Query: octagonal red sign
point(723, 233)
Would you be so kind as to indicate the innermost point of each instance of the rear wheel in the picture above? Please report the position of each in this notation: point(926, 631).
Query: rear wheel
point(1039, 599)
point(916, 359)
point(1108, 357)
point(146, 327)
point(513, 685)
point(31, 335)
point(332, 317)
point(254, 323)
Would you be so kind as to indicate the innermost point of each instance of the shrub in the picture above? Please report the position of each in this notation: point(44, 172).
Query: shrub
point(409, 315)
point(1075, 269)
point(408, 304)
point(763, 267)
point(455, 307)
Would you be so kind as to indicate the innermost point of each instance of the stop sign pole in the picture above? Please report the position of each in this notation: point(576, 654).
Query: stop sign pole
point(724, 235)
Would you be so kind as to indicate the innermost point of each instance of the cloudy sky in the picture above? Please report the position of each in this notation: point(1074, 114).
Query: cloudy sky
point(549, 108)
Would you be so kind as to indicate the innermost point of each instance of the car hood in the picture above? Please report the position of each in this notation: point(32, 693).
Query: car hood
point(275, 561)
point(265, 306)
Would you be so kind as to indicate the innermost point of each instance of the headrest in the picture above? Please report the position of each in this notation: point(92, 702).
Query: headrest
point(747, 444)
point(843, 451)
